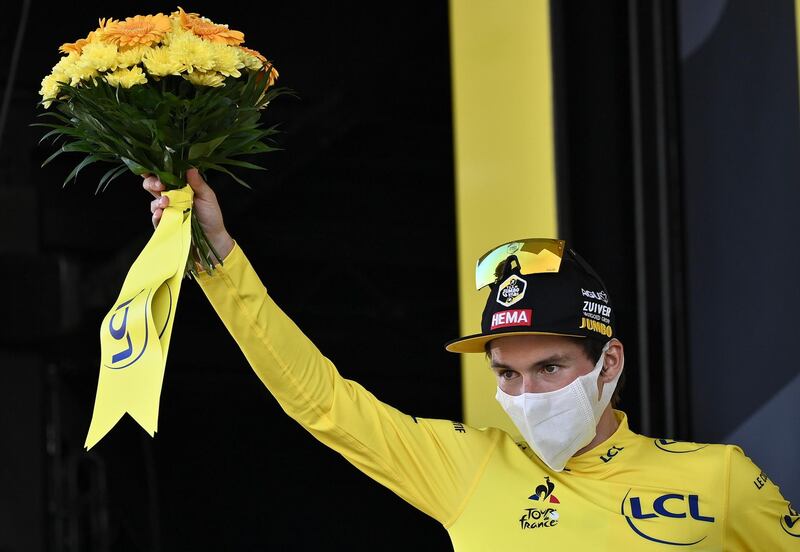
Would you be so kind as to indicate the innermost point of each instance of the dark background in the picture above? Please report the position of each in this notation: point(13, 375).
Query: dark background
point(352, 231)
point(676, 151)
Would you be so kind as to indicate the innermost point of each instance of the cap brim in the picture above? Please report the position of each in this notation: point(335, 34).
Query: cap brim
point(477, 343)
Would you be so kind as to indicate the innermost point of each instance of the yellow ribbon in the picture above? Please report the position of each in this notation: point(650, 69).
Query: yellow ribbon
point(135, 334)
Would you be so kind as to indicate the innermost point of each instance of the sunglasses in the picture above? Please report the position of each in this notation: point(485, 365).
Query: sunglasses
point(533, 255)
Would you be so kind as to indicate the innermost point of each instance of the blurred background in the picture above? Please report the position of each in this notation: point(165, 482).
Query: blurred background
point(661, 138)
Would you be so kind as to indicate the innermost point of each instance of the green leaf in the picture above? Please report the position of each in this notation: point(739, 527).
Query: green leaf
point(222, 169)
point(107, 175)
point(110, 176)
point(53, 156)
point(88, 160)
point(204, 149)
point(135, 167)
point(170, 179)
point(243, 164)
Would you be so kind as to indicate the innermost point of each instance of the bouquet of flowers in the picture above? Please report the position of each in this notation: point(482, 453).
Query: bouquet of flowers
point(160, 94)
point(156, 94)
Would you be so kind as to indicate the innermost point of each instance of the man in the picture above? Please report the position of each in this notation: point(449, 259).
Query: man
point(579, 479)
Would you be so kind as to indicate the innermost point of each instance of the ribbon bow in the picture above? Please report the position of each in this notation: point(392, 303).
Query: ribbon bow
point(135, 334)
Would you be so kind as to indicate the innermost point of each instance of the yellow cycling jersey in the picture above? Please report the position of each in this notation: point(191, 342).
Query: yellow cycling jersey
point(491, 492)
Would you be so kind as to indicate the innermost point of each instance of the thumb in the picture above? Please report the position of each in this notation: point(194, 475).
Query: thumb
point(201, 189)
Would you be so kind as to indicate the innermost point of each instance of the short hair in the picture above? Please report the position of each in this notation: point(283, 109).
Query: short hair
point(592, 348)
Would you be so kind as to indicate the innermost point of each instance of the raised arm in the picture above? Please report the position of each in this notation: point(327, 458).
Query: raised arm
point(430, 463)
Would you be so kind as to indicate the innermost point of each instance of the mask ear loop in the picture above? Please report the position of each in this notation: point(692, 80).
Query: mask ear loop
point(603, 368)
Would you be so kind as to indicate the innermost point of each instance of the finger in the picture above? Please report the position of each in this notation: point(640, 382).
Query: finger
point(201, 189)
point(157, 217)
point(153, 185)
point(159, 203)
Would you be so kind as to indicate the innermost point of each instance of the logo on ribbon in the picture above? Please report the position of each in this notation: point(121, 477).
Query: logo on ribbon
point(128, 328)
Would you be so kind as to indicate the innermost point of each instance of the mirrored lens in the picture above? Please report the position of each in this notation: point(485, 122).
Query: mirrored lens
point(535, 255)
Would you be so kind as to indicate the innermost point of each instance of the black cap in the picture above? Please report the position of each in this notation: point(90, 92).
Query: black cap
point(572, 302)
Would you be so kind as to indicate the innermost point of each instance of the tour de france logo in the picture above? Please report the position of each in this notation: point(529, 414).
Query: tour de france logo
point(127, 329)
point(511, 291)
point(671, 518)
point(543, 514)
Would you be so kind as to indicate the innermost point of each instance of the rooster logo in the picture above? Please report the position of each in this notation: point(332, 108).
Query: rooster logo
point(545, 491)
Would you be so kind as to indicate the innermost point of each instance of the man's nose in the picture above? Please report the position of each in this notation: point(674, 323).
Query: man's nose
point(529, 385)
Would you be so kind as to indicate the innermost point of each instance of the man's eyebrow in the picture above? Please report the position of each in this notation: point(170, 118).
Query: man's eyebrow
point(552, 359)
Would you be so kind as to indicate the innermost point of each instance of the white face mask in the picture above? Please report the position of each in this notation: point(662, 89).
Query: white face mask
point(558, 423)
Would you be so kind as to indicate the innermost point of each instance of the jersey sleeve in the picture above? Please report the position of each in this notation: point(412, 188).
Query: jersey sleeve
point(759, 518)
point(432, 464)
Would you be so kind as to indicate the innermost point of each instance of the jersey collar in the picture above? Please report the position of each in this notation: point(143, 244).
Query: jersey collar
point(605, 456)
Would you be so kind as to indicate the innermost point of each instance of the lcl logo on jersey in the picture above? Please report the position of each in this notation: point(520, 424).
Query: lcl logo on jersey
point(677, 447)
point(541, 515)
point(611, 453)
point(790, 523)
point(670, 518)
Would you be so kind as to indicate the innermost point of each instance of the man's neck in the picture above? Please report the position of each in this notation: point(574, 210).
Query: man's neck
point(606, 427)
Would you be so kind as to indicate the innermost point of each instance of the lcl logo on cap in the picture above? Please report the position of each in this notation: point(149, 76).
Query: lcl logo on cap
point(511, 291)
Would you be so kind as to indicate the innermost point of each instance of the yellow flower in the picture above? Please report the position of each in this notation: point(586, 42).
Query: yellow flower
point(75, 69)
point(50, 87)
point(126, 77)
point(191, 52)
point(142, 29)
point(64, 65)
point(100, 56)
point(210, 78)
point(227, 60)
point(208, 30)
point(131, 56)
point(161, 62)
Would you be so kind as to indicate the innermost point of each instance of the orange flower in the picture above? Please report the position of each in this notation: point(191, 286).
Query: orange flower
point(255, 53)
point(142, 29)
point(266, 65)
point(78, 46)
point(207, 30)
point(273, 74)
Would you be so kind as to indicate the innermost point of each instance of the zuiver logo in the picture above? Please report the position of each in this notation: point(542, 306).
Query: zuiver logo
point(129, 329)
point(670, 518)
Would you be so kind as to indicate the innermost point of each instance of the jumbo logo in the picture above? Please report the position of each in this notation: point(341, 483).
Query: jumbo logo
point(511, 291)
point(677, 447)
point(127, 331)
point(670, 518)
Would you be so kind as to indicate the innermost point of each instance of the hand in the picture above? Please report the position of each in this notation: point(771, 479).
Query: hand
point(206, 208)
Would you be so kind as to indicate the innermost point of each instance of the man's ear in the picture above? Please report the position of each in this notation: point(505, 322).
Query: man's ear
point(613, 362)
